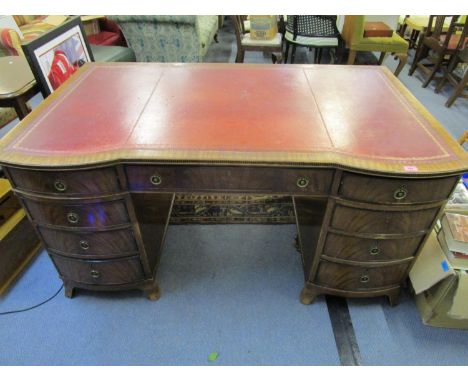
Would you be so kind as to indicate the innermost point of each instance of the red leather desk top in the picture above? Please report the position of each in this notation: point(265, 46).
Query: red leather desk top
point(357, 116)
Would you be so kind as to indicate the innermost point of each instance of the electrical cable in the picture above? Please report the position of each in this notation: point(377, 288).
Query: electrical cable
point(33, 307)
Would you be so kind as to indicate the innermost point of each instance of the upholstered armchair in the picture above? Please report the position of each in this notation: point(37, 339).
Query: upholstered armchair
point(353, 34)
point(168, 38)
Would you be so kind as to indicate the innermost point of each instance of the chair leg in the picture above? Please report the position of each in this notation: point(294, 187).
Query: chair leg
point(458, 90)
point(451, 66)
point(463, 138)
point(240, 56)
point(319, 58)
point(434, 70)
point(280, 58)
point(293, 53)
point(333, 56)
point(286, 52)
point(418, 56)
point(403, 58)
point(276, 57)
point(382, 57)
point(351, 57)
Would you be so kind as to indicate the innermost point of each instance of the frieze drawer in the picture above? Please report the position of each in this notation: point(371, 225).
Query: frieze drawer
point(360, 220)
point(109, 272)
point(95, 244)
point(352, 278)
point(370, 250)
point(103, 214)
point(80, 182)
point(233, 178)
point(387, 190)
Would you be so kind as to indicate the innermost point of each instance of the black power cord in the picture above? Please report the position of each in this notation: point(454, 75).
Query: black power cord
point(33, 307)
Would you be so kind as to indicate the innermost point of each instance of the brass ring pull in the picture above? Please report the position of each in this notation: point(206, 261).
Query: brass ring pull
point(365, 279)
point(374, 250)
point(400, 193)
point(95, 274)
point(302, 182)
point(156, 180)
point(72, 218)
point(84, 245)
point(60, 185)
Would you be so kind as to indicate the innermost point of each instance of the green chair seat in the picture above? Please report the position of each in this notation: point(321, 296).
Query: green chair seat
point(394, 44)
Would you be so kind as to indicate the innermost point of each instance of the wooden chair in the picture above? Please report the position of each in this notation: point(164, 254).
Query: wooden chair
point(442, 44)
point(313, 32)
point(417, 24)
point(246, 44)
point(353, 34)
point(460, 83)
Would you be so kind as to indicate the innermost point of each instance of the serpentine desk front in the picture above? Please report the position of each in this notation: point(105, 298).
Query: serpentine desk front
point(98, 163)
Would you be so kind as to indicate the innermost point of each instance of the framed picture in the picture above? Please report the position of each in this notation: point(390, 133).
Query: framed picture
point(58, 53)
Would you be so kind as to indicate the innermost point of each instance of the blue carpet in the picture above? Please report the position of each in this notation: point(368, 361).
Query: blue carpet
point(396, 335)
point(234, 290)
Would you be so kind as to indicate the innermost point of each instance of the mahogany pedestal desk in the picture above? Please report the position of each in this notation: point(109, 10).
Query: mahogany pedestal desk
point(97, 165)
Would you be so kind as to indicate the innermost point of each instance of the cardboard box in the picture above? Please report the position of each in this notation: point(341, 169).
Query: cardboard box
point(263, 27)
point(441, 287)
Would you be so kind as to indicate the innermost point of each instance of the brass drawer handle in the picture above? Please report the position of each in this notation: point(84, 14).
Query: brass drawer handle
point(95, 274)
point(374, 251)
point(400, 193)
point(302, 182)
point(72, 218)
point(365, 279)
point(60, 185)
point(84, 245)
point(156, 180)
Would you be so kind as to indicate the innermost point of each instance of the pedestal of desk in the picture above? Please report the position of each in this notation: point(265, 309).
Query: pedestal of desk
point(104, 228)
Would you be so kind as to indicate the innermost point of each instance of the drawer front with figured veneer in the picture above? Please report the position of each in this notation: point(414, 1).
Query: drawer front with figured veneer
point(103, 214)
point(96, 244)
point(353, 278)
point(387, 190)
point(370, 250)
point(80, 182)
point(230, 178)
point(109, 272)
point(361, 220)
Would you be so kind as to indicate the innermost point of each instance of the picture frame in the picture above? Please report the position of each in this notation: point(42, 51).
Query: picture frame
point(55, 55)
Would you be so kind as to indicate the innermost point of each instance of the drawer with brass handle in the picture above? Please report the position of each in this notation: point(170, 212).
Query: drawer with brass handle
point(232, 178)
point(354, 278)
point(94, 244)
point(66, 182)
point(102, 214)
point(354, 248)
point(109, 272)
point(388, 190)
point(360, 220)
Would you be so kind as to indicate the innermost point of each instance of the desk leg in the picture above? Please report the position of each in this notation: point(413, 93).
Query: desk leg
point(310, 216)
point(308, 294)
point(151, 213)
